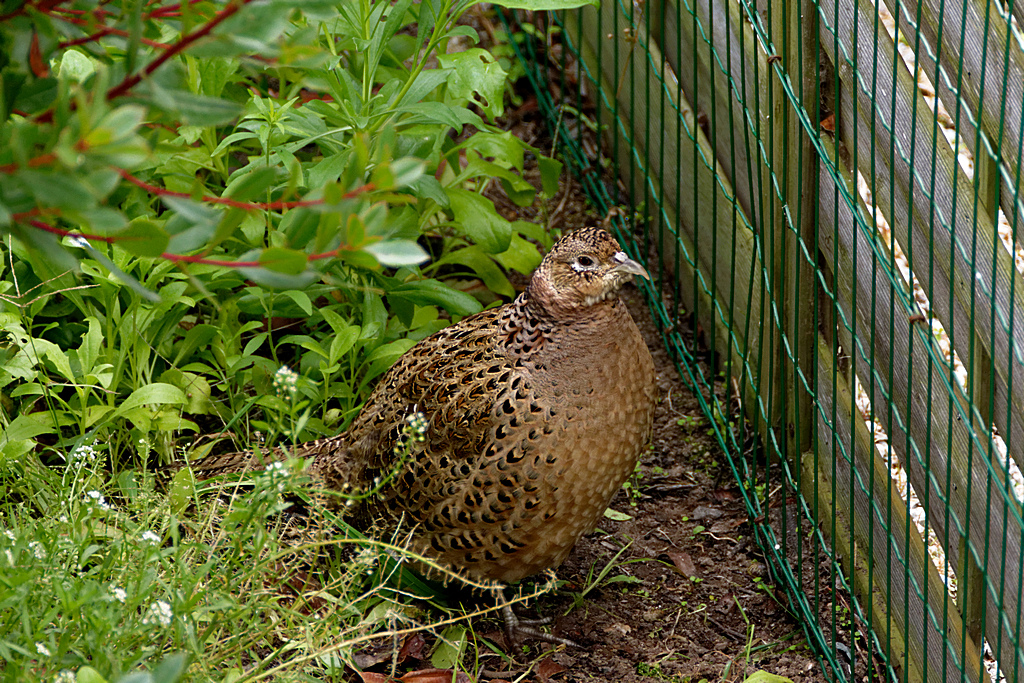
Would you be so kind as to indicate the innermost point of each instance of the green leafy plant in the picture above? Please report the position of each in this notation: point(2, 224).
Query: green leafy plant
point(193, 196)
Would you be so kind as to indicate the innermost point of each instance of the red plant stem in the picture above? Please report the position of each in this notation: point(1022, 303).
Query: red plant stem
point(131, 81)
point(107, 32)
point(225, 201)
point(178, 258)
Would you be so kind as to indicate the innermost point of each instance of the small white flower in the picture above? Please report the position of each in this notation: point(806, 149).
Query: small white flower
point(82, 455)
point(150, 537)
point(159, 614)
point(97, 497)
point(43, 650)
point(118, 593)
point(286, 382)
point(65, 676)
point(418, 424)
point(366, 558)
point(38, 550)
point(10, 557)
point(10, 534)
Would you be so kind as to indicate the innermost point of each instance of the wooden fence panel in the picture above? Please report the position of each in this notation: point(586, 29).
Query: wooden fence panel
point(932, 252)
point(918, 419)
point(975, 45)
point(874, 537)
point(979, 281)
point(724, 266)
point(721, 85)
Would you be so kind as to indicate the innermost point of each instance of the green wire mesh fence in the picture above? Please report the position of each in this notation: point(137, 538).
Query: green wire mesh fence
point(828, 196)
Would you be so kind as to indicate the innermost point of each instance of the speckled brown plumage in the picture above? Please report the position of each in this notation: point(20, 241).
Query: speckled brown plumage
point(536, 412)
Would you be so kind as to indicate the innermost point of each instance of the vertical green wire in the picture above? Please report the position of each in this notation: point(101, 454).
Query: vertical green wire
point(889, 408)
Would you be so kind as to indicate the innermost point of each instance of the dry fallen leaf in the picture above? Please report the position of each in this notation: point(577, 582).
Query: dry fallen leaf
point(371, 677)
point(683, 562)
point(548, 668)
point(413, 648)
point(435, 676)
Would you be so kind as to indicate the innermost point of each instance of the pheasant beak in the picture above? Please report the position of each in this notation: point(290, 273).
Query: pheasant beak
point(628, 266)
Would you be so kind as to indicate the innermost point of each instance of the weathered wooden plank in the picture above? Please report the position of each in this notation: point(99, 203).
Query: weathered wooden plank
point(796, 162)
point(944, 464)
point(712, 49)
point(971, 274)
point(983, 64)
point(883, 555)
point(953, 250)
point(718, 250)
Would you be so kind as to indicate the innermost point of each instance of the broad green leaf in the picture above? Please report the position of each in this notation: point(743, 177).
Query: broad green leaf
point(375, 316)
point(521, 255)
point(157, 393)
point(301, 300)
point(197, 390)
point(450, 647)
point(425, 83)
point(198, 110)
point(475, 71)
point(535, 232)
point(100, 220)
point(252, 183)
point(616, 515)
point(395, 253)
point(383, 357)
point(434, 112)
point(76, 66)
point(550, 174)
point(89, 349)
point(428, 187)
point(197, 336)
point(518, 189)
point(144, 237)
point(122, 122)
point(87, 674)
point(214, 74)
point(28, 427)
point(407, 171)
point(300, 226)
point(171, 669)
point(483, 267)
point(343, 342)
point(505, 148)
point(191, 226)
point(56, 188)
point(182, 490)
point(480, 221)
point(281, 260)
point(433, 293)
point(765, 677)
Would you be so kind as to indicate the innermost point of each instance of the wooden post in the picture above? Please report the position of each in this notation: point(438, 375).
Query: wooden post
point(971, 578)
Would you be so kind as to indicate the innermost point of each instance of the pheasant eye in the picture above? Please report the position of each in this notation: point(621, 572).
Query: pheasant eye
point(584, 262)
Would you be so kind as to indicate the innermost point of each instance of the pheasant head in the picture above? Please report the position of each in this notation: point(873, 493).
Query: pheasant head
point(583, 269)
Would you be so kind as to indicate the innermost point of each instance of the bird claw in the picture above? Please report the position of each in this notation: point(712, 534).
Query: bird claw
point(516, 630)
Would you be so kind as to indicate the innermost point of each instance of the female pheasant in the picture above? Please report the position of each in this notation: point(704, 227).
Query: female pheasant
point(535, 413)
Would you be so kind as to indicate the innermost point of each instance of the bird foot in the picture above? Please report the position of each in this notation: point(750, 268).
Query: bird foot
point(517, 629)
